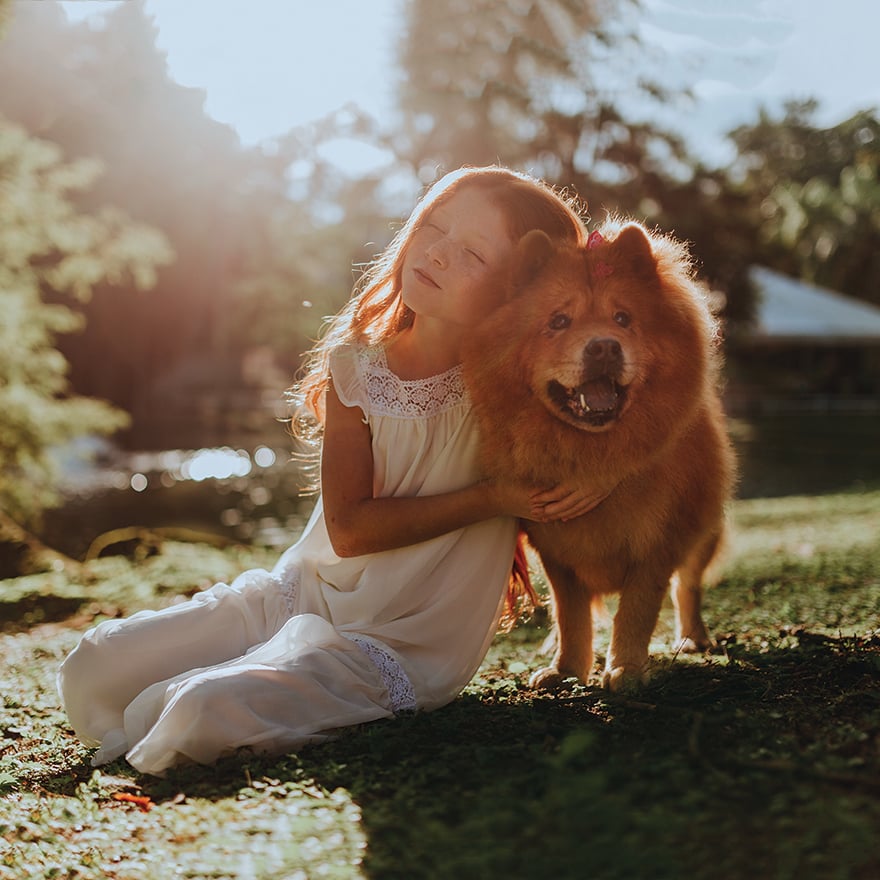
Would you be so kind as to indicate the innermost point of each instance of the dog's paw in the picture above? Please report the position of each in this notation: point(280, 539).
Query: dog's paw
point(696, 641)
point(696, 645)
point(548, 679)
point(625, 679)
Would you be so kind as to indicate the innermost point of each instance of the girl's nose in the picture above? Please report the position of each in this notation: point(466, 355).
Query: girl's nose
point(437, 254)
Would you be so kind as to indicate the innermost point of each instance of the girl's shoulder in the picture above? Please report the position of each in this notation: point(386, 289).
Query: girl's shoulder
point(362, 377)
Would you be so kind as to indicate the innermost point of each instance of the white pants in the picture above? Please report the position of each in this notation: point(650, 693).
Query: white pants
point(226, 669)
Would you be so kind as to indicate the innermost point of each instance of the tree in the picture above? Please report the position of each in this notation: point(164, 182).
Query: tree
point(532, 83)
point(485, 80)
point(254, 235)
point(815, 195)
point(49, 249)
point(108, 95)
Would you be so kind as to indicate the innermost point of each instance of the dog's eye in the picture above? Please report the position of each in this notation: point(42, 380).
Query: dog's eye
point(622, 318)
point(560, 321)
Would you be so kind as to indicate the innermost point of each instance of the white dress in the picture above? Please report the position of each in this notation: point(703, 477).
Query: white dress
point(280, 659)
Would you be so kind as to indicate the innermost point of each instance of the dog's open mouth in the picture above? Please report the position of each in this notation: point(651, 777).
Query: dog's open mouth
point(595, 403)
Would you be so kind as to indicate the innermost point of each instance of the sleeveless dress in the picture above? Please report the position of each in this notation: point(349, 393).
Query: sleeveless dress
point(279, 659)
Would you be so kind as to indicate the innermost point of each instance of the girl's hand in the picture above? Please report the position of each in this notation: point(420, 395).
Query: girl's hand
point(510, 499)
point(545, 505)
point(562, 503)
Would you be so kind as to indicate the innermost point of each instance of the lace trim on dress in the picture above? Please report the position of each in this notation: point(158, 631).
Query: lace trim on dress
point(389, 395)
point(397, 683)
point(288, 584)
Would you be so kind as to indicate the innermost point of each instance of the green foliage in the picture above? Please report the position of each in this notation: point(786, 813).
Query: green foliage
point(756, 760)
point(166, 163)
point(815, 195)
point(297, 268)
point(48, 247)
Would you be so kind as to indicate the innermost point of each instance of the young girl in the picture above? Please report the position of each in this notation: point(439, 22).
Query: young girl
point(389, 600)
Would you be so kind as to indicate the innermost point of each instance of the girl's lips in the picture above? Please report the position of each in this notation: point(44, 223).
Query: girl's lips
point(425, 278)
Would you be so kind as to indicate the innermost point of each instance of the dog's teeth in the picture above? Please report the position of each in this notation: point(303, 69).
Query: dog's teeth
point(584, 406)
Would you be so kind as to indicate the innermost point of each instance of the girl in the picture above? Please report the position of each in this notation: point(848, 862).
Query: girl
point(389, 600)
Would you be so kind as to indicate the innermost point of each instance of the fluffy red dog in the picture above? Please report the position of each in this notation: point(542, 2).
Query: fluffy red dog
point(601, 366)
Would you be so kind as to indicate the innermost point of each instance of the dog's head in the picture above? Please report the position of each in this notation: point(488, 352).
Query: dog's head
point(609, 325)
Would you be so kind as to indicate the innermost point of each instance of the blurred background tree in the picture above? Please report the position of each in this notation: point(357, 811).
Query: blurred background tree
point(502, 71)
point(49, 250)
point(525, 82)
point(256, 265)
point(814, 196)
point(107, 95)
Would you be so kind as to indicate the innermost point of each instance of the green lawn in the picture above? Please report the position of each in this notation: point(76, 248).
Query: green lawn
point(760, 760)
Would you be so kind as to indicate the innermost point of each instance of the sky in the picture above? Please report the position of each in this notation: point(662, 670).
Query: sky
point(269, 65)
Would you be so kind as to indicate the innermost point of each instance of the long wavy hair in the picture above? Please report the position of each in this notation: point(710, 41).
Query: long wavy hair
point(376, 312)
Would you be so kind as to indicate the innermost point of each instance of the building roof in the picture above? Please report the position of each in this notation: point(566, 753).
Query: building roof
point(792, 311)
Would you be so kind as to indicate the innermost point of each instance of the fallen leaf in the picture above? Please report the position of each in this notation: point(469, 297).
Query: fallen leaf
point(142, 801)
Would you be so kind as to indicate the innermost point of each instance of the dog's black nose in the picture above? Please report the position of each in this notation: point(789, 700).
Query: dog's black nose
point(602, 351)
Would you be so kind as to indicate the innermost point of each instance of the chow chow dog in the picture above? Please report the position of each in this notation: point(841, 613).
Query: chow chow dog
point(600, 368)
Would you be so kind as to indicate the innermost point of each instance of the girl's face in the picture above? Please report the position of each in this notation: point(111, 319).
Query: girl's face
point(453, 257)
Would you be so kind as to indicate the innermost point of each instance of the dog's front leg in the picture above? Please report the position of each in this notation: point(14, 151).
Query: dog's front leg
point(626, 666)
point(572, 614)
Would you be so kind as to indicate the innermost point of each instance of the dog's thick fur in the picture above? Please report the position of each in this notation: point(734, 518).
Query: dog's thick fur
point(600, 368)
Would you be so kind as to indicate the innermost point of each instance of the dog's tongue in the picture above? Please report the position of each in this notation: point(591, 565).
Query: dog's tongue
point(598, 395)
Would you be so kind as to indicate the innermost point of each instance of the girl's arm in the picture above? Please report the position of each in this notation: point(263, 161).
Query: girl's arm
point(358, 523)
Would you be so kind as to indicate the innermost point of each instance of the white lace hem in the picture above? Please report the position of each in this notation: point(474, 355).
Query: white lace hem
point(397, 683)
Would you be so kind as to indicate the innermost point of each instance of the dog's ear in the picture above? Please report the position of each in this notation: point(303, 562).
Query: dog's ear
point(532, 253)
point(633, 247)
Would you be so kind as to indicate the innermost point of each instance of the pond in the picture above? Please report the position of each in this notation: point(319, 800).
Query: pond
point(811, 453)
point(256, 494)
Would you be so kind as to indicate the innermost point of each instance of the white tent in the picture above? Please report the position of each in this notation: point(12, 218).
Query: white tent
point(792, 311)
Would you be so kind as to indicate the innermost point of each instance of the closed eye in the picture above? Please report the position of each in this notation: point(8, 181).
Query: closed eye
point(474, 254)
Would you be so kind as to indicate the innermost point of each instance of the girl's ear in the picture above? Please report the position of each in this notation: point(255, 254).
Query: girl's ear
point(633, 247)
point(532, 253)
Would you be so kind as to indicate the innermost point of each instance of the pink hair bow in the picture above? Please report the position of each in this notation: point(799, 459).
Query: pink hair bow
point(601, 269)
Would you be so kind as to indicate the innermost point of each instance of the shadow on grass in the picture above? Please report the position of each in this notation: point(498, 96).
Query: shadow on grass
point(760, 762)
point(25, 613)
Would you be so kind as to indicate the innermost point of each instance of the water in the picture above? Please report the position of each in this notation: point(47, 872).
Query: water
point(256, 494)
point(807, 453)
point(238, 494)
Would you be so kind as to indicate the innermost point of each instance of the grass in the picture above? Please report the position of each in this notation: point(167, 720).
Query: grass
point(759, 760)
